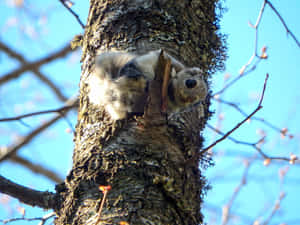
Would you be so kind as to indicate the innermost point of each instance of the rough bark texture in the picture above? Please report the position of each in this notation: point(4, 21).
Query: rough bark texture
point(145, 163)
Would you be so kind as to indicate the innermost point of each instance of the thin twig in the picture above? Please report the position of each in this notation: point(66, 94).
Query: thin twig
point(101, 207)
point(228, 206)
point(214, 209)
point(235, 140)
point(37, 168)
point(58, 110)
point(105, 190)
point(235, 106)
point(34, 65)
point(275, 209)
point(6, 152)
point(254, 145)
point(72, 12)
point(283, 22)
point(244, 70)
point(42, 219)
point(12, 53)
point(240, 123)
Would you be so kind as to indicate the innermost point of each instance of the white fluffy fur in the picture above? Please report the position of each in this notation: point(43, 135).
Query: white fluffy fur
point(120, 95)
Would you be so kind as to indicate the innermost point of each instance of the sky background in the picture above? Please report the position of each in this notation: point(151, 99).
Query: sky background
point(41, 27)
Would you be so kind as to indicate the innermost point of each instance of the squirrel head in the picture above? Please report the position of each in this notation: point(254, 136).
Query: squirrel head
point(186, 88)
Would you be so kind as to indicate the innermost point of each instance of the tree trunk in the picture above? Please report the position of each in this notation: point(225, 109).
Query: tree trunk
point(146, 164)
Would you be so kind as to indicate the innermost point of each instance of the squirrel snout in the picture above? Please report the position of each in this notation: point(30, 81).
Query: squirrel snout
point(190, 83)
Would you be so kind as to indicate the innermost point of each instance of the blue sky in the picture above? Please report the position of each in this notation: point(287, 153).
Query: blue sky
point(280, 105)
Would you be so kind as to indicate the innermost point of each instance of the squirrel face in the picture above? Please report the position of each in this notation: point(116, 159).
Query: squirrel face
point(186, 88)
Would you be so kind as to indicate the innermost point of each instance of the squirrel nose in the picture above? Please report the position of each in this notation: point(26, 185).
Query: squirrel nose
point(190, 83)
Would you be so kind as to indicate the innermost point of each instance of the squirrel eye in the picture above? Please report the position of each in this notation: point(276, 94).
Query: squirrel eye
point(190, 83)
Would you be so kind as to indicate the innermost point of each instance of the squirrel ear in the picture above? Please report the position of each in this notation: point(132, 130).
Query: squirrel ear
point(173, 72)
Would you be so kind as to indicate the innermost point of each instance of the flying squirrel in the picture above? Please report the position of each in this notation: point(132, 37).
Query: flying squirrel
point(120, 81)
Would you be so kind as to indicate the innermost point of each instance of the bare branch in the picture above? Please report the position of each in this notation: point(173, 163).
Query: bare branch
point(255, 54)
point(235, 140)
point(260, 14)
point(42, 219)
point(243, 74)
point(215, 210)
point(37, 168)
point(283, 132)
point(244, 70)
point(228, 206)
point(35, 65)
point(240, 123)
point(275, 209)
point(6, 152)
point(40, 75)
point(256, 147)
point(72, 12)
point(283, 22)
point(60, 110)
point(45, 199)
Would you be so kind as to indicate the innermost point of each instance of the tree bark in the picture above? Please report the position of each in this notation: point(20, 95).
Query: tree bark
point(144, 161)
